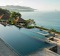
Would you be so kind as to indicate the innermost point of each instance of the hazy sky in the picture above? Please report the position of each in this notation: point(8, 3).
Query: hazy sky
point(42, 5)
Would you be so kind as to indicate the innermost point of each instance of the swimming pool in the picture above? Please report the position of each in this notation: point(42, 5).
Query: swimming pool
point(22, 39)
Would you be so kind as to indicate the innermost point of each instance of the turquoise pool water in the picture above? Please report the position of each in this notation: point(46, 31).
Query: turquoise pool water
point(22, 39)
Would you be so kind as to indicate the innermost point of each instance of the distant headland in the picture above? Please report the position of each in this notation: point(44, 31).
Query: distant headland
point(18, 8)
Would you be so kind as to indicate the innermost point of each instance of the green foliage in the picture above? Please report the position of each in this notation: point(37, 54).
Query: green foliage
point(15, 14)
point(30, 22)
point(50, 30)
point(3, 11)
point(29, 27)
point(41, 27)
point(53, 30)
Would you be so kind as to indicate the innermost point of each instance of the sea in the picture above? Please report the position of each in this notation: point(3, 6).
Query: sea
point(50, 20)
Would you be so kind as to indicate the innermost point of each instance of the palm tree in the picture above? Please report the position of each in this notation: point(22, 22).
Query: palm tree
point(15, 14)
point(14, 17)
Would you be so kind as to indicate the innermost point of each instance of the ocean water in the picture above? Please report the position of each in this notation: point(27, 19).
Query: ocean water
point(22, 40)
point(45, 19)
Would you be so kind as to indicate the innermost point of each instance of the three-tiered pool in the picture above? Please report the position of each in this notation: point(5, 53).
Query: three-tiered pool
point(22, 40)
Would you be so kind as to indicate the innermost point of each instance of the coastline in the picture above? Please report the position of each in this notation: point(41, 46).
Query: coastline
point(42, 28)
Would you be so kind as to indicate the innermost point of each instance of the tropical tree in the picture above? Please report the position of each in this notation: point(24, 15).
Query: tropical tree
point(14, 16)
point(30, 22)
point(4, 14)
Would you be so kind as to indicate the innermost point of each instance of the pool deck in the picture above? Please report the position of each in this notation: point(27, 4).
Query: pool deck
point(56, 40)
point(45, 52)
point(5, 50)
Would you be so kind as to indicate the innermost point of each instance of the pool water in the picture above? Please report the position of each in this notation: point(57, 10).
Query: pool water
point(21, 40)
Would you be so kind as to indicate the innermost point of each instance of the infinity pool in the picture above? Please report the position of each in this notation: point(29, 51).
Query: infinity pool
point(22, 40)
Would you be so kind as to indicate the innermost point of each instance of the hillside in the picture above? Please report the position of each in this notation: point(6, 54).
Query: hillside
point(17, 8)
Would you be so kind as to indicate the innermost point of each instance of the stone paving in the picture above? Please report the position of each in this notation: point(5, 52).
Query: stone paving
point(5, 50)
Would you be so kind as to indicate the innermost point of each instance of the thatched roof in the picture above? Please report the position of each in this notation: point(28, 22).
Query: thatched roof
point(6, 13)
point(21, 20)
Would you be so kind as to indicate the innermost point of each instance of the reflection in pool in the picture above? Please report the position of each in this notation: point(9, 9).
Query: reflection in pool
point(22, 39)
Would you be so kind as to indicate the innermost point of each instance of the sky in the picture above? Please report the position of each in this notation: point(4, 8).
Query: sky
point(42, 5)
